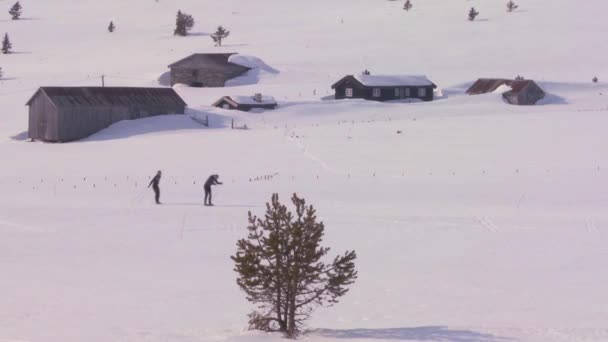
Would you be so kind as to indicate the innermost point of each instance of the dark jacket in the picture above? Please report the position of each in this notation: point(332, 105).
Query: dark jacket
point(155, 181)
point(212, 180)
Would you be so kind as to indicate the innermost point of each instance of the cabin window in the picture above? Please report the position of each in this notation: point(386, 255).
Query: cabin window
point(421, 92)
point(349, 92)
point(226, 106)
point(376, 92)
point(397, 92)
point(407, 92)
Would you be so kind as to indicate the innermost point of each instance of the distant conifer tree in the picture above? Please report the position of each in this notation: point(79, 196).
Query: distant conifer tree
point(1, 73)
point(595, 79)
point(472, 14)
point(365, 72)
point(220, 35)
point(511, 6)
point(15, 11)
point(408, 5)
point(6, 45)
point(183, 23)
point(111, 27)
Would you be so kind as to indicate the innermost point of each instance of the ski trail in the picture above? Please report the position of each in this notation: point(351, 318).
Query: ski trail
point(488, 224)
point(311, 156)
point(591, 227)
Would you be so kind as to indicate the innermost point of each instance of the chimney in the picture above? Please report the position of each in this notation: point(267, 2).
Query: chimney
point(257, 97)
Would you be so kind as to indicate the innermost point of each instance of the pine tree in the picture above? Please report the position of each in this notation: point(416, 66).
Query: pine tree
point(220, 35)
point(6, 45)
point(408, 5)
point(365, 72)
point(183, 23)
point(472, 14)
point(511, 6)
point(15, 11)
point(280, 269)
point(595, 79)
point(111, 27)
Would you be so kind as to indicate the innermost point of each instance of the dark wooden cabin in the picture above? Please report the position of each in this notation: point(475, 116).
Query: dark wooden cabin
point(523, 92)
point(384, 87)
point(205, 70)
point(246, 103)
point(60, 114)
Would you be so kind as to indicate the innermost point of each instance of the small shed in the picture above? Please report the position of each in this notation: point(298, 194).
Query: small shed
point(384, 87)
point(246, 103)
point(206, 70)
point(60, 114)
point(523, 92)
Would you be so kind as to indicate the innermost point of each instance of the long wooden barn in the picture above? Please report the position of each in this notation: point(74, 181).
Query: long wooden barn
point(60, 114)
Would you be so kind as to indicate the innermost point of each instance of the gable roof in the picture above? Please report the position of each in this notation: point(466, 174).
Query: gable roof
point(488, 85)
point(198, 60)
point(110, 96)
point(389, 81)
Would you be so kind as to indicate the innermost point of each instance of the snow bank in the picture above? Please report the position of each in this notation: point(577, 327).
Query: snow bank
point(259, 70)
point(251, 62)
point(502, 89)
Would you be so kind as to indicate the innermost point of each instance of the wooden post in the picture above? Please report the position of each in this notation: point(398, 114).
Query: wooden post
point(103, 81)
point(232, 124)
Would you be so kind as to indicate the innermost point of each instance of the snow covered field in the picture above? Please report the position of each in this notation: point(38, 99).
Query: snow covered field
point(478, 221)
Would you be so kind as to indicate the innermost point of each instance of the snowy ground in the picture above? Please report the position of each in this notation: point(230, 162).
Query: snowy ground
point(479, 221)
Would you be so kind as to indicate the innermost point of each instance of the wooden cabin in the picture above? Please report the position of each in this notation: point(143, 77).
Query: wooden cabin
point(60, 114)
point(246, 103)
point(205, 70)
point(384, 87)
point(523, 92)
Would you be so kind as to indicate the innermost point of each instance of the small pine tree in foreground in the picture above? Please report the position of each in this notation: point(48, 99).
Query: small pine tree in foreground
point(408, 5)
point(220, 35)
point(111, 27)
point(15, 11)
point(472, 14)
point(280, 269)
point(511, 6)
point(6, 45)
point(183, 23)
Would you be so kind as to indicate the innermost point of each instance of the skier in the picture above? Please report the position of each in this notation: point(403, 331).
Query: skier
point(212, 180)
point(154, 185)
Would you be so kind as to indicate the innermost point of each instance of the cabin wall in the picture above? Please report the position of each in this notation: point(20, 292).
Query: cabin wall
point(205, 77)
point(386, 93)
point(42, 119)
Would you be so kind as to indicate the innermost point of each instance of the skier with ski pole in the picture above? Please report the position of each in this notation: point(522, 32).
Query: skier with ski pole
point(154, 184)
point(212, 180)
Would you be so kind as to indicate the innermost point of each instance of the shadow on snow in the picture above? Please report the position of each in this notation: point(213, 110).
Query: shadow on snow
point(430, 333)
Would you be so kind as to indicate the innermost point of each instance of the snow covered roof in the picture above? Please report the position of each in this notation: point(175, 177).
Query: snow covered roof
point(250, 100)
point(390, 80)
point(393, 80)
point(198, 60)
point(264, 100)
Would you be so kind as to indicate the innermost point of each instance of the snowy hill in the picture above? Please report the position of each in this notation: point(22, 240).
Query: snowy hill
point(473, 220)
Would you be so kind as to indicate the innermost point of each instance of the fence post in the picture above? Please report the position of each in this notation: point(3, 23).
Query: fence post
point(232, 124)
